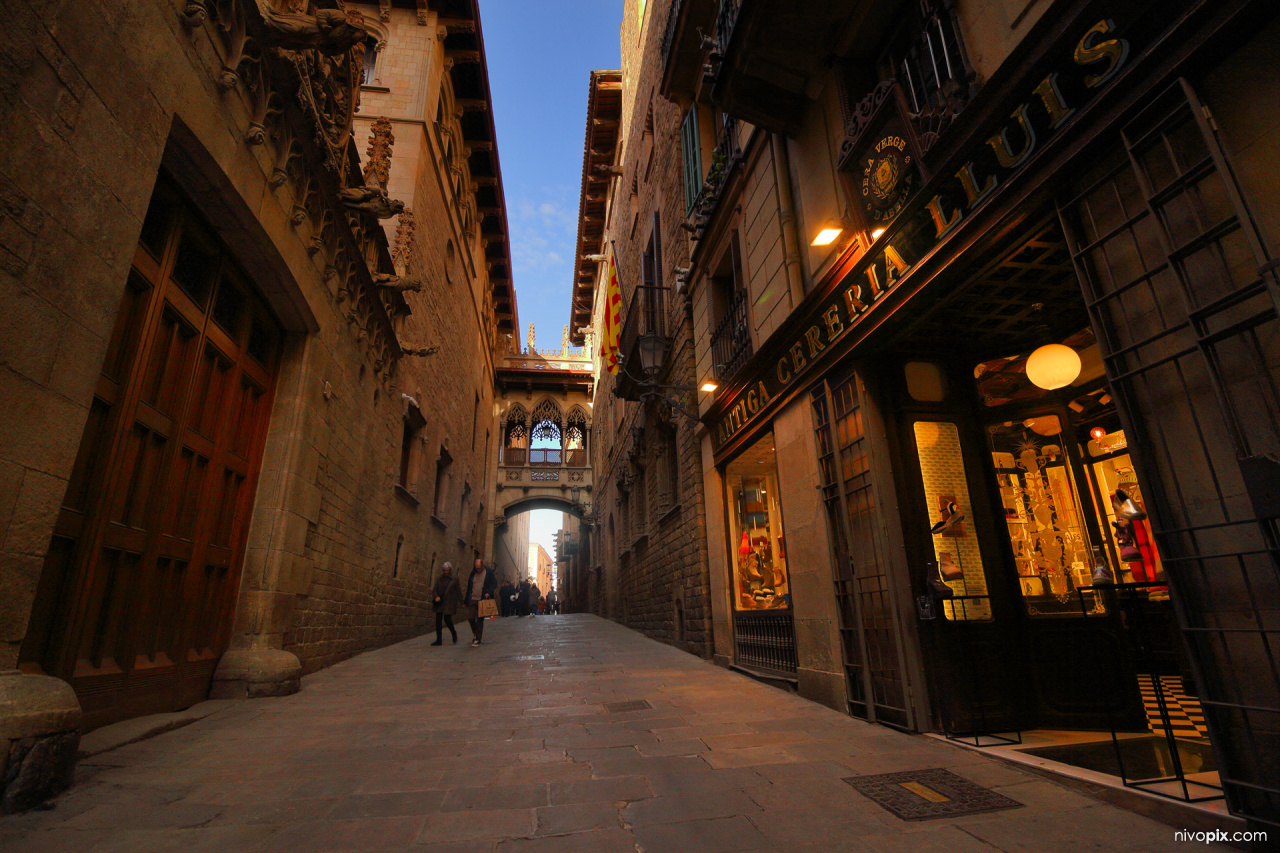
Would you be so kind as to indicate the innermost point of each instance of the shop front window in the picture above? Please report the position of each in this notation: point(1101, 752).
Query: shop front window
point(955, 544)
point(1043, 514)
point(757, 546)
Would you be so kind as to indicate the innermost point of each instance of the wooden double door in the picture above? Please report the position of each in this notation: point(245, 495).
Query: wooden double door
point(139, 584)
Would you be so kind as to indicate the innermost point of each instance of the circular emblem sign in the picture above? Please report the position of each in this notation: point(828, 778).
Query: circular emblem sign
point(888, 179)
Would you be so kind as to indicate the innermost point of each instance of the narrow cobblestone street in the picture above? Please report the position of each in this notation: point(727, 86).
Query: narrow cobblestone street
point(513, 746)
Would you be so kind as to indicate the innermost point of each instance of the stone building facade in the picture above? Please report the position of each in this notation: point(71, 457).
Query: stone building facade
point(540, 566)
point(648, 541)
point(511, 550)
point(227, 456)
point(984, 303)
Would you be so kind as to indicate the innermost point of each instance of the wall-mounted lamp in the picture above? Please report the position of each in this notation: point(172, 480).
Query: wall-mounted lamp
point(877, 234)
point(709, 386)
point(831, 229)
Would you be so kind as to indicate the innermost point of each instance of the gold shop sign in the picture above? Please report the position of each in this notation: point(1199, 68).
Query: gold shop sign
point(1097, 57)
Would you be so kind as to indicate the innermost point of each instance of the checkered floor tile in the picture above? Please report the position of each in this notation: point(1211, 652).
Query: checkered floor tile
point(1186, 717)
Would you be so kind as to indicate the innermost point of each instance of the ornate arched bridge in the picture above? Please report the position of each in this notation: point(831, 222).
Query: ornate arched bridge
point(543, 420)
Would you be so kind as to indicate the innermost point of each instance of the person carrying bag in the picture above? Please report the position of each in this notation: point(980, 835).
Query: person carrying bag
point(481, 587)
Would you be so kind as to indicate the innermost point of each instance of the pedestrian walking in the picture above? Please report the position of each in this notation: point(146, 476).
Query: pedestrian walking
point(522, 599)
point(535, 597)
point(480, 586)
point(504, 599)
point(553, 602)
point(445, 598)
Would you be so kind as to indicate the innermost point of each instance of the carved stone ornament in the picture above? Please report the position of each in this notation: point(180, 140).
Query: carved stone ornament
point(332, 32)
point(371, 200)
point(420, 351)
point(384, 9)
point(396, 283)
point(404, 240)
point(194, 14)
point(862, 115)
point(377, 170)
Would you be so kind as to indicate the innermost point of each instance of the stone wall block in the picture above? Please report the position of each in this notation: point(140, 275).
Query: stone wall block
point(297, 577)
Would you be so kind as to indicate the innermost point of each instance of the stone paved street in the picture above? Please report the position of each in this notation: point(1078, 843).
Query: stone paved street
point(509, 748)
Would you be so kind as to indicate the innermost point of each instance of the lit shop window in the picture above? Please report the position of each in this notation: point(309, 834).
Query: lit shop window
point(757, 547)
point(955, 544)
point(1042, 513)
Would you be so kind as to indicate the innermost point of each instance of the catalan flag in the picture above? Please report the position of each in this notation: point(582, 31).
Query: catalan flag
point(609, 340)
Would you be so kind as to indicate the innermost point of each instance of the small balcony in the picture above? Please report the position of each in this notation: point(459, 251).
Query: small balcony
point(771, 52)
point(724, 160)
point(731, 341)
point(645, 343)
point(683, 48)
point(568, 470)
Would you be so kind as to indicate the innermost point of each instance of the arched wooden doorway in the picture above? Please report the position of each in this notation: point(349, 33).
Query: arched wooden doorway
point(139, 585)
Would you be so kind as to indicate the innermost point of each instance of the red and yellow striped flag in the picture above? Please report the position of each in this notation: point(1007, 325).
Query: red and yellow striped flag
point(609, 341)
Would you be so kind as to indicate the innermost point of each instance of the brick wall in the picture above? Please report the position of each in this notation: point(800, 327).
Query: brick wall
point(653, 568)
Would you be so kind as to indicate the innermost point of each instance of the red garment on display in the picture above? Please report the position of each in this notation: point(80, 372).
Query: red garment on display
point(1146, 544)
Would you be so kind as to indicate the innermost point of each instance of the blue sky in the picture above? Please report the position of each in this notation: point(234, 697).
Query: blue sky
point(540, 57)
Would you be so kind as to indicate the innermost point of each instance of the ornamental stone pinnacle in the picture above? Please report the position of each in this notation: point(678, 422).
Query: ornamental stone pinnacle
point(378, 168)
point(404, 240)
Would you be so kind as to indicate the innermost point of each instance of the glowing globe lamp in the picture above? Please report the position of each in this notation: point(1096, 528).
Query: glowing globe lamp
point(1053, 366)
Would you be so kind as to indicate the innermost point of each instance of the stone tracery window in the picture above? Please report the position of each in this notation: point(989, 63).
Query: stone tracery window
point(547, 433)
point(515, 441)
point(575, 437)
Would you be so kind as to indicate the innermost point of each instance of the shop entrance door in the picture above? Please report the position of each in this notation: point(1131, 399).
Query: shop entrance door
point(871, 632)
point(139, 584)
point(1186, 300)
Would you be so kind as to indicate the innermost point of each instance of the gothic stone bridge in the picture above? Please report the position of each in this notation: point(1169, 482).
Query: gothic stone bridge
point(543, 416)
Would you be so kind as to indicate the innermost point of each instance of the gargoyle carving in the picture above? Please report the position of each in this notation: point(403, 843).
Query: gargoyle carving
point(194, 14)
point(371, 200)
point(419, 351)
point(330, 31)
point(397, 283)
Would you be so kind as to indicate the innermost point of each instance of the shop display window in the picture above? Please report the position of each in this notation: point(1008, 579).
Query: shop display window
point(1117, 499)
point(757, 547)
point(955, 544)
point(1043, 515)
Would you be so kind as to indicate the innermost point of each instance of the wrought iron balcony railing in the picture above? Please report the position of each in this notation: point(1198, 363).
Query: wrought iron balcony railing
point(646, 318)
point(725, 20)
point(731, 341)
point(725, 157)
point(669, 35)
point(934, 73)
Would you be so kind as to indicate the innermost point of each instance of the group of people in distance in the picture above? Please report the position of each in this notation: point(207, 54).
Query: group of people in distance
point(448, 596)
point(525, 599)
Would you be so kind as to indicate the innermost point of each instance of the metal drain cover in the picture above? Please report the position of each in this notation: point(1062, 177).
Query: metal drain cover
point(929, 794)
point(620, 707)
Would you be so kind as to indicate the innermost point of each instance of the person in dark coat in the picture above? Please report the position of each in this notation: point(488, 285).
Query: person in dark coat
point(522, 599)
point(445, 597)
point(481, 584)
point(535, 596)
point(506, 604)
